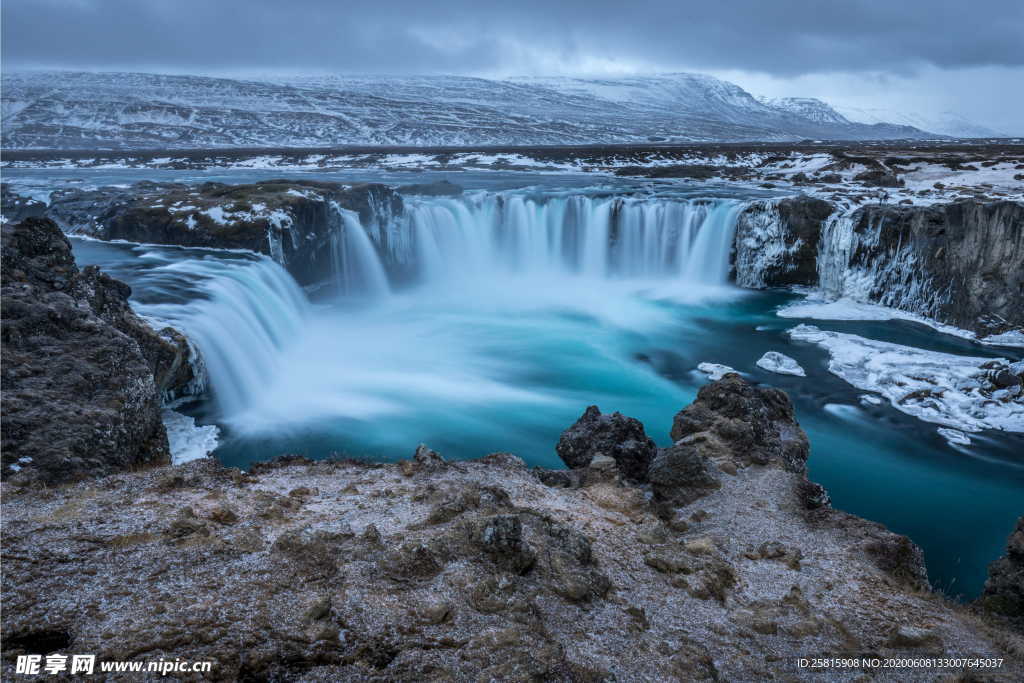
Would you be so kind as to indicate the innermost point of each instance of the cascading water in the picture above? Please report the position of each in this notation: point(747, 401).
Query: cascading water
point(354, 262)
point(275, 360)
point(486, 235)
point(244, 315)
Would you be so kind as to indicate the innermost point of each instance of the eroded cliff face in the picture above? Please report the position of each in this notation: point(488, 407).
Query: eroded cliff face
point(714, 565)
point(83, 375)
point(295, 222)
point(777, 242)
point(960, 263)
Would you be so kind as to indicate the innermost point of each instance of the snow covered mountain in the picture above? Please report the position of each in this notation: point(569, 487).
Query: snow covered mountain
point(944, 123)
point(809, 108)
point(66, 110)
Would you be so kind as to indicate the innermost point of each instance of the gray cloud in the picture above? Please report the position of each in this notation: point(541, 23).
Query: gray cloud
point(783, 38)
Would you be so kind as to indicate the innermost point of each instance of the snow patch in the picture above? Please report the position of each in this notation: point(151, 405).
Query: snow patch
point(935, 387)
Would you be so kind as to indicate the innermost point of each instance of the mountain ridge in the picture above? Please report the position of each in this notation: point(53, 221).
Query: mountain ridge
point(126, 110)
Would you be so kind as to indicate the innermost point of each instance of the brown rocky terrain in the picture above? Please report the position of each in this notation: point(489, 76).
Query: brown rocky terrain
point(83, 375)
point(721, 563)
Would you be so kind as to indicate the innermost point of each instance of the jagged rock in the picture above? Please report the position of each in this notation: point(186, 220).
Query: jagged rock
point(754, 424)
point(965, 259)
point(878, 178)
point(616, 436)
point(682, 472)
point(502, 537)
point(83, 375)
point(1004, 588)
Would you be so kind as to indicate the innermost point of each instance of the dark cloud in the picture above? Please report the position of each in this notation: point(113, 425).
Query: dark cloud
point(780, 37)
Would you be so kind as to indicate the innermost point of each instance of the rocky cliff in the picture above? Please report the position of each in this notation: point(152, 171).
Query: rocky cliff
point(83, 375)
point(777, 242)
point(295, 222)
point(713, 559)
point(1004, 589)
point(960, 263)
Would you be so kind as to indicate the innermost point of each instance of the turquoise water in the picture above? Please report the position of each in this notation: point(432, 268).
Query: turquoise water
point(508, 363)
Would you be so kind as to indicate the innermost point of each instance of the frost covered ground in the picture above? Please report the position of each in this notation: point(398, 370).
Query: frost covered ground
point(849, 176)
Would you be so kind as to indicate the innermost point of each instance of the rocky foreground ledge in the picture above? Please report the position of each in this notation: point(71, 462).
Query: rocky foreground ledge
point(714, 559)
point(84, 377)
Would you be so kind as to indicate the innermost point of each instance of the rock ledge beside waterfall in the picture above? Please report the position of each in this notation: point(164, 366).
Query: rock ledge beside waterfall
point(83, 375)
point(292, 221)
point(960, 264)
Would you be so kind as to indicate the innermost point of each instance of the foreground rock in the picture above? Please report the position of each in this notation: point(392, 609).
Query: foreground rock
point(296, 222)
point(434, 570)
point(1004, 589)
point(83, 375)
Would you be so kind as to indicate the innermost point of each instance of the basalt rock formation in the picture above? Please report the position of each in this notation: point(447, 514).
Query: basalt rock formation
point(960, 263)
point(777, 242)
point(433, 570)
point(296, 222)
point(83, 375)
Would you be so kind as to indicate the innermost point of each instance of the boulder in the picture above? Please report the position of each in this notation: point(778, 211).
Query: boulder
point(752, 424)
point(683, 472)
point(619, 437)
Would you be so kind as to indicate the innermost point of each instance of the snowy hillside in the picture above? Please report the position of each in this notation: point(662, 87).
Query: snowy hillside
point(944, 123)
point(810, 108)
point(65, 110)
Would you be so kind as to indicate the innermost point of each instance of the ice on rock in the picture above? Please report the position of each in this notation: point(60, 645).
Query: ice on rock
point(773, 361)
point(187, 440)
point(943, 388)
point(715, 371)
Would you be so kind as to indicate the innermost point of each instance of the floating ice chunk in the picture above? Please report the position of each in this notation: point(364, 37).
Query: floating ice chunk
point(187, 440)
point(870, 400)
point(714, 370)
point(935, 387)
point(773, 361)
point(954, 436)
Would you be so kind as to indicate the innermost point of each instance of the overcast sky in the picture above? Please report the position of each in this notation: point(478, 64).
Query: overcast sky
point(917, 55)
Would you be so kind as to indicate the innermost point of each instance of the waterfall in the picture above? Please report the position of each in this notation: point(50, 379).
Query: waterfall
point(488, 235)
point(266, 351)
point(355, 264)
point(246, 311)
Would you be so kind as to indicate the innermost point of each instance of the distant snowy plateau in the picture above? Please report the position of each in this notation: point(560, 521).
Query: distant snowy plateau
point(64, 110)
